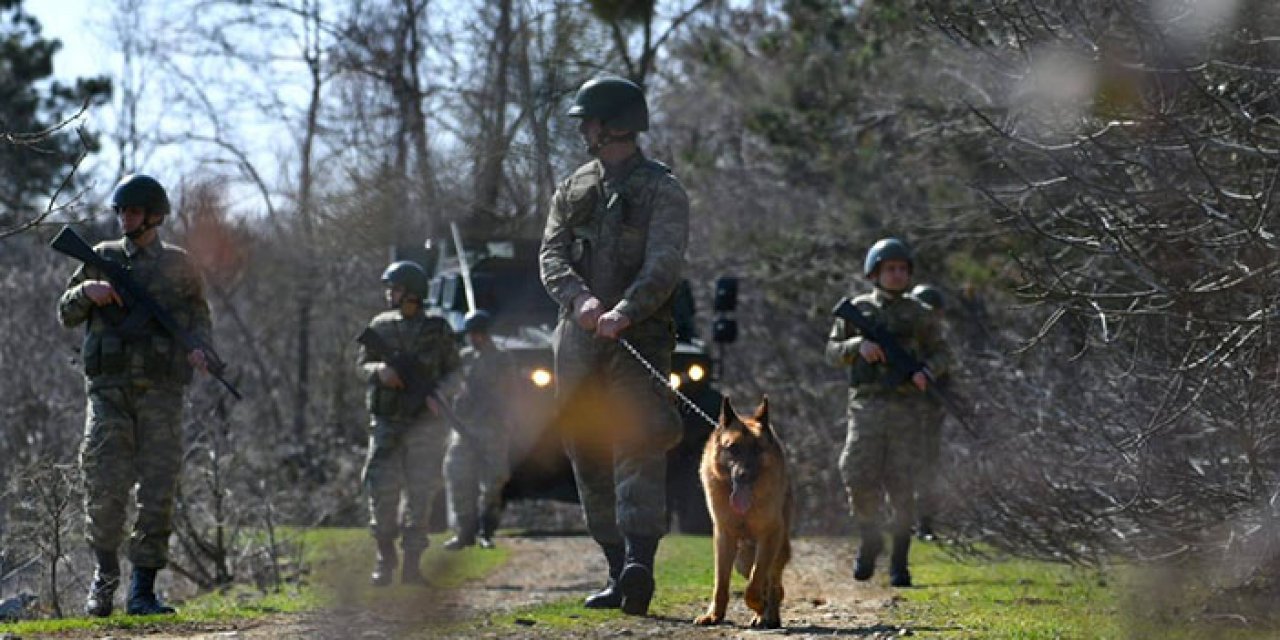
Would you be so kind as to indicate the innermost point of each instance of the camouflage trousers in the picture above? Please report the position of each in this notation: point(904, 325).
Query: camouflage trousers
point(926, 476)
point(619, 425)
point(881, 454)
point(475, 470)
point(404, 459)
point(132, 437)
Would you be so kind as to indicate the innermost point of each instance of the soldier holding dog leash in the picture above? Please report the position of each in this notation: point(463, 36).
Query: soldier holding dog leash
point(612, 254)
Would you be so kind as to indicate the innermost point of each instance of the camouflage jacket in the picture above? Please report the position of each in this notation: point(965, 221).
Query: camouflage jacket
point(619, 236)
point(151, 357)
point(430, 341)
point(909, 320)
point(488, 382)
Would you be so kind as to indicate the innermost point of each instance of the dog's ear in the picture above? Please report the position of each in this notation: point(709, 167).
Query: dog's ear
point(762, 411)
point(726, 412)
point(728, 417)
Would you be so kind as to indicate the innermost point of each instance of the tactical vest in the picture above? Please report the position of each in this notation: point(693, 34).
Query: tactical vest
point(384, 401)
point(870, 377)
point(147, 353)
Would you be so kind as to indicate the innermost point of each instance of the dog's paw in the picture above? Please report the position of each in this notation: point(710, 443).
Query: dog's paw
point(708, 619)
point(757, 622)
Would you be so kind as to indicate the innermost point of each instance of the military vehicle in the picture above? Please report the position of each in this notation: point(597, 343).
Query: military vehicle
point(505, 283)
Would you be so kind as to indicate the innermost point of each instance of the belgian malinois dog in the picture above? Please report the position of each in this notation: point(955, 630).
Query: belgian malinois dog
point(744, 474)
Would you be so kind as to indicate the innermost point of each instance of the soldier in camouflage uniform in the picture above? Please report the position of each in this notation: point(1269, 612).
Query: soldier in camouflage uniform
point(885, 438)
point(926, 478)
point(612, 254)
point(135, 381)
point(406, 443)
point(476, 466)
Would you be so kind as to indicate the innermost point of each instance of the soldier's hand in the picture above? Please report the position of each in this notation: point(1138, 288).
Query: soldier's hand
point(389, 378)
point(586, 310)
point(611, 325)
point(871, 352)
point(921, 380)
point(198, 360)
point(101, 293)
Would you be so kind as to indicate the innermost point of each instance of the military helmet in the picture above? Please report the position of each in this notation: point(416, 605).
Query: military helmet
point(141, 190)
point(409, 275)
point(478, 320)
point(886, 249)
point(929, 295)
point(618, 103)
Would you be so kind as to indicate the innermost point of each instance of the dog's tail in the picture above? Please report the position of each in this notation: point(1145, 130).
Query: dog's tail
point(746, 556)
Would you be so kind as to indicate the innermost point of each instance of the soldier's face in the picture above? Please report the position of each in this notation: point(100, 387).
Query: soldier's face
point(894, 275)
point(131, 217)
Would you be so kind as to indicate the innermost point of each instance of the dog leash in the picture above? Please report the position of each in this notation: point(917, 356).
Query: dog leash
point(689, 406)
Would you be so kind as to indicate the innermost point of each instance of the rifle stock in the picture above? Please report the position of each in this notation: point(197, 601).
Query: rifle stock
point(141, 306)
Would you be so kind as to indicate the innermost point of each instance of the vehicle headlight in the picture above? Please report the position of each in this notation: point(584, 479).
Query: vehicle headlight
point(540, 377)
point(675, 381)
point(696, 372)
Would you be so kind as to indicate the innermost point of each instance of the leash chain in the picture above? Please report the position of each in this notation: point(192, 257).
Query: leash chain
point(689, 406)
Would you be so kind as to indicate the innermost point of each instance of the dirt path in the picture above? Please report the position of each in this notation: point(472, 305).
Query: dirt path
point(822, 601)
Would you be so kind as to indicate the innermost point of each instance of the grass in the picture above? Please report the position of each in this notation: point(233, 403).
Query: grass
point(337, 561)
point(1008, 598)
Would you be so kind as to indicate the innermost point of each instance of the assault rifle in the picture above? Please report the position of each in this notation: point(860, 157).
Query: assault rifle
point(139, 306)
point(902, 364)
point(416, 387)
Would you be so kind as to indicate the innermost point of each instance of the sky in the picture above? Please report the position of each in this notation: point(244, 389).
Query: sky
point(71, 21)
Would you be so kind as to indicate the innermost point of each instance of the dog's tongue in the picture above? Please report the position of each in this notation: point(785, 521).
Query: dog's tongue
point(740, 498)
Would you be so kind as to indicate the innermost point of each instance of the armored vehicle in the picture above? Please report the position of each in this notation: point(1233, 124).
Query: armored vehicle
point(505, 282)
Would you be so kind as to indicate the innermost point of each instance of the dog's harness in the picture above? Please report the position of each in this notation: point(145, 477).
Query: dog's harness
point(689, 406)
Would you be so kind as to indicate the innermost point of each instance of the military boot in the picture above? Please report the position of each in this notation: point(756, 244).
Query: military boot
point(466, 538)
point(899, 576)
point(488, 529)
point(142, 594)
point(102, 592)
point(609, 597)
point(385, 564)
point(410, 571)
point(636, 580)
point(864, 565)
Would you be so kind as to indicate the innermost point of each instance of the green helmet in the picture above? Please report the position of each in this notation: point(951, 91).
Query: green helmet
point(929, 295)
point(141, 190)
point(409, 275)
point(886, 249)
point(618, 103)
